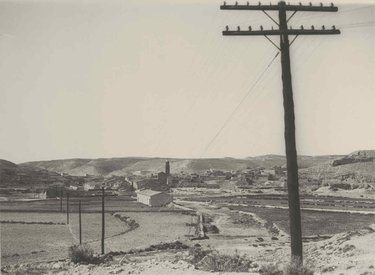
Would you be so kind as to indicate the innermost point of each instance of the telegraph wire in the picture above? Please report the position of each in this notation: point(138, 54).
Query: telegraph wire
point(239, 104)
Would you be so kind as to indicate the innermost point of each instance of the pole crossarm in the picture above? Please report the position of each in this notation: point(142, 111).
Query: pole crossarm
point(278, 7)
point(279, 32)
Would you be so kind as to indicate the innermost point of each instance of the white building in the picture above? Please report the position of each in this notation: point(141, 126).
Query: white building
point(153, 198)
point(91, 186)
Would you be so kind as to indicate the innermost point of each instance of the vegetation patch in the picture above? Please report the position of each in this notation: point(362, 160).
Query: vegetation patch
point(83, 254)
point(225, 263)
point(212, 260)
point(295, 267)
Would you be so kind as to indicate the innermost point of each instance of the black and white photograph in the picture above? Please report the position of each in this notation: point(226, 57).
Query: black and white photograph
point(187, 137)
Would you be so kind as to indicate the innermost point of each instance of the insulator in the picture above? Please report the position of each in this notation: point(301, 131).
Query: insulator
point(310, 4)
point(334, 27)
point(261, 28)
point(321, 4)
point(236, 3)
point(259, 3)
point(312, 27)
point(300, 3)
point(272, 28)
point(291, 27)
point(238, 28)
point(301, 27)
point(227, 28)
point(249, 28)
point(323, 28)
point(270, 4)
point(331, 4)
point(247, 3)
point(225, 3)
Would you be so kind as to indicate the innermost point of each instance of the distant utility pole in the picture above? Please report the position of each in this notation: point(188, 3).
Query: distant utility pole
point(103, 220)
point(61, 200)
point(80, 222)
point(290, 144)
point(67, 207)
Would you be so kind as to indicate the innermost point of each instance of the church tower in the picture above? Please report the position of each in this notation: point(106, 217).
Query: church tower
point(167, 168)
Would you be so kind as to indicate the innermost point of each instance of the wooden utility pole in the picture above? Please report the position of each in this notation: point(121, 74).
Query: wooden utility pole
point(61, 200)
point(103, 220)
point(289, 133)
point(67, 207)
point(80, 222)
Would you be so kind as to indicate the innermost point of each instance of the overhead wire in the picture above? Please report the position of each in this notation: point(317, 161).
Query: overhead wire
point(239, 104)
point(265, 93)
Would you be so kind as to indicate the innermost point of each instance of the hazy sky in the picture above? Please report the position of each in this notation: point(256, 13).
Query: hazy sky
point(156, 78)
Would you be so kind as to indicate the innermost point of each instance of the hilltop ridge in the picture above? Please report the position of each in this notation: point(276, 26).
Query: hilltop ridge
point(319, 166)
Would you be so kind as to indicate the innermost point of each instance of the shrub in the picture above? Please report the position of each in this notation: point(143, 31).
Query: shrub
point(82, 254)
point(196, 253)
point(271, 269)
point(225, 263)
point(293, 268)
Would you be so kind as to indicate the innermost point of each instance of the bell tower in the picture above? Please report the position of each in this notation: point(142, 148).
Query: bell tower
point(167, 168)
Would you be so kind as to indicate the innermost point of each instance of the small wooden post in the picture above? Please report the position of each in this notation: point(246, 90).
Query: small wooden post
point(103, 225)
point(80, 222)
point(67, 207)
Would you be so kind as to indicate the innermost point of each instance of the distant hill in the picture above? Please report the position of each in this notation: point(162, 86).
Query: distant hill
point(268, 161)
point(13, 175)
point(125, 166)
point(8, 171)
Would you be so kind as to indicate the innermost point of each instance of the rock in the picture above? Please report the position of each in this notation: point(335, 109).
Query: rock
point(56, 266)
point(348, 247)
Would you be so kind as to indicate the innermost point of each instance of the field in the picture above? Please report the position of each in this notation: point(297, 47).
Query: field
point(50, 239)
point(154, 227)
point(313, 222)
point(36, 242)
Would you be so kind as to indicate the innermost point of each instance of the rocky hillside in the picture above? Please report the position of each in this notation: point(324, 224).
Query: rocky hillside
point(349, 172)
point(303, 161)
point(20, 176)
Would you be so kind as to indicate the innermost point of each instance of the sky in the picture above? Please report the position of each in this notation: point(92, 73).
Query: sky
point(117, 78)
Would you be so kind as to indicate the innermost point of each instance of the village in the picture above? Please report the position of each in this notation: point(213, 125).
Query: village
point(45, 184)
